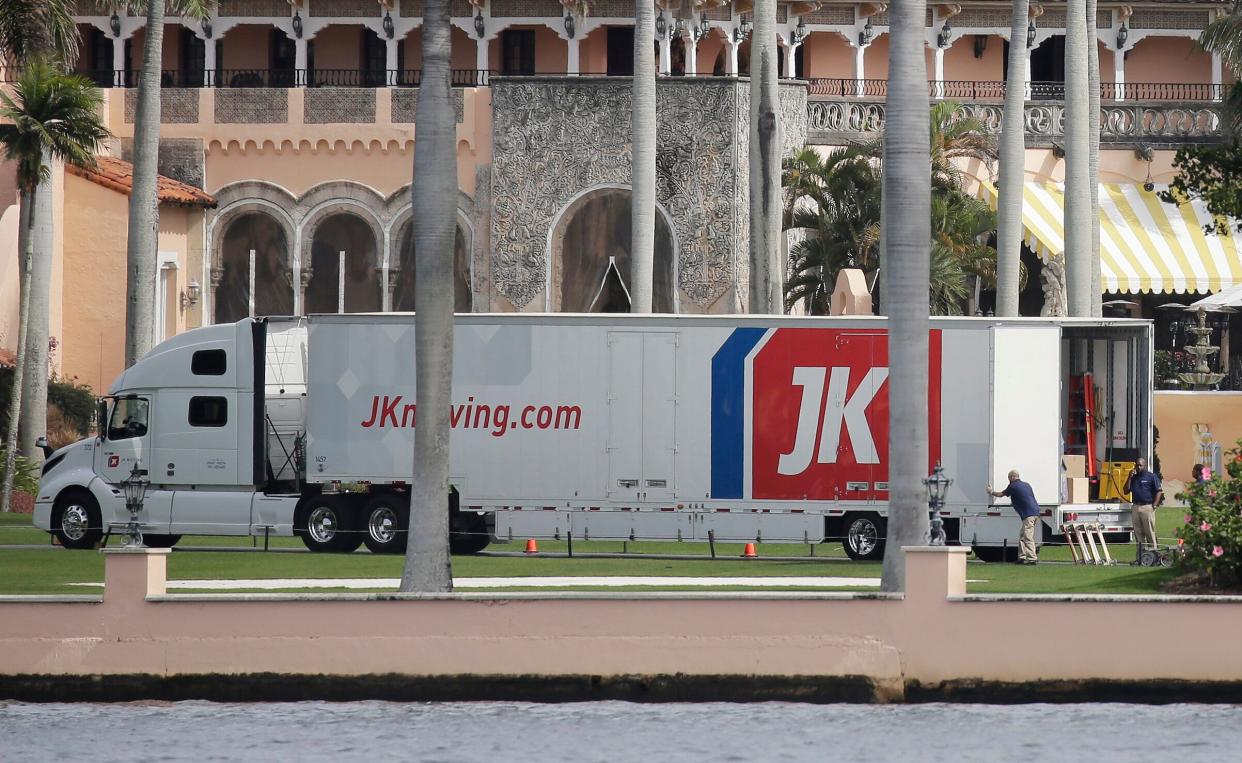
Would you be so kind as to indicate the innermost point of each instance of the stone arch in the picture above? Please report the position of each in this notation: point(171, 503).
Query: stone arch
point(589, 250)
point(236, 201)
point(334, 227)
point(252, 252)
point(401, 264)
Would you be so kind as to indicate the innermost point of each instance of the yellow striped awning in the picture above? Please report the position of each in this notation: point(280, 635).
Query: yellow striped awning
point(1146, 245)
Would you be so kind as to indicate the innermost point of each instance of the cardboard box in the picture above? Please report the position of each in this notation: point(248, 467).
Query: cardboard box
point(1079, 490)
point(1075, 466)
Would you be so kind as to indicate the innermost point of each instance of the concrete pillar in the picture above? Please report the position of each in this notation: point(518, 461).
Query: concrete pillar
point(732, 71)
point(118, 62)
point(299, 61)
point(1217, 76)
point(692, 54)
point(132, 574)
point(859, 69)
point(666, 54)
point(938, 67)
point(480, 55)
point(209, 62)
point(791, 61)
point(934, 573)
point(574, 65)
point(391, 59)
point(1119, 75)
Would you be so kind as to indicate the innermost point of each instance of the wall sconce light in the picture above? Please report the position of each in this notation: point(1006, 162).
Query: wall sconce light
point(799, 32)
point(389, 29)
point(207, 28)
point(942, 39)
point(1058, 150)
point(1123, 34)
point(189, 297)
point(297, 24)
point(661, 26)
point(747, 25)
point(571, 28)
point(866, 35)
point(479, 26)
point(1030, 34)
point(981, 44)
point(114, 24)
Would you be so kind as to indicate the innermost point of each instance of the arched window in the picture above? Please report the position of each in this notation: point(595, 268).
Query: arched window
point(356, 289)
point(403, 259)
point(254, 250)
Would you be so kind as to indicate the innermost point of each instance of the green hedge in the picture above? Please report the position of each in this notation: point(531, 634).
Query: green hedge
point(76, 402)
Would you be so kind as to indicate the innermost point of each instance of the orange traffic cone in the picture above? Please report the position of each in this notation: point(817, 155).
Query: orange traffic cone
point(532, 547)
point(749, 551)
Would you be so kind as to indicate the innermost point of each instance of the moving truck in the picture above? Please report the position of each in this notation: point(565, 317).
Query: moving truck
point(622, 427)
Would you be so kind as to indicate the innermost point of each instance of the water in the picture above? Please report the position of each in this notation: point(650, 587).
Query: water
point(614, 732)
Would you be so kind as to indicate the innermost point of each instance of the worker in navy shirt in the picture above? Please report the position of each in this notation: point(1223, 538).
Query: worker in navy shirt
point(1022, 497)
point(1145, 494)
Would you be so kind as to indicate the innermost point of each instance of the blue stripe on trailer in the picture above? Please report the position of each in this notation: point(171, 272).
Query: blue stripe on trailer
point(729, 411)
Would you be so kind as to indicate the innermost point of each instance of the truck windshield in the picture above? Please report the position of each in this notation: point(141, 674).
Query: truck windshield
point(129, 419)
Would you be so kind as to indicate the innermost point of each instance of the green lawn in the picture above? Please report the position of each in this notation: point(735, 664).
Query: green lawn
point(42, 571)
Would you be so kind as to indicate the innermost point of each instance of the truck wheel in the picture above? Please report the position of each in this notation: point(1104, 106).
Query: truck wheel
point(468, 534)
point(385, 524)
point(864, 537)
point(76, 519)
point(995, 553)
point(327, 526)
point(160, 541)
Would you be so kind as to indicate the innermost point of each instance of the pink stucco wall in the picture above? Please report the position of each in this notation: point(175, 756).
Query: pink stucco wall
point(1177, 413)
point(933, 633)
point(1167, 59)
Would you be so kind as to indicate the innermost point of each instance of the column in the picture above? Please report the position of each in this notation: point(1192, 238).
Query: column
point(938, 68)
point(118, 62)
point(666, 53)
point(391, 59)
point(732, 72)
point(209, 62)
point(859, 70)
point(299, 61)
point(1119, 75)
point(574, 65)
point(480, 55)
point(1217, 77)
point(791, 61)
point(692, 53)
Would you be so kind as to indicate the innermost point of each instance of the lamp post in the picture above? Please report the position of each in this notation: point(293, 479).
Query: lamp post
point(135, 488)
point(937, 487)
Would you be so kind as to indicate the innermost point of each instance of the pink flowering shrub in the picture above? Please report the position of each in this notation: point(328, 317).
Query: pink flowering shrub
point(1211, 538)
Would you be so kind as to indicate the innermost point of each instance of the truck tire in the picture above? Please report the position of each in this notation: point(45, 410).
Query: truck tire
point(995, 553)
point(160, 541)
point(468, 533)
point(327, 525)
point(385, 523)
point(864, 536)
point(76, 520)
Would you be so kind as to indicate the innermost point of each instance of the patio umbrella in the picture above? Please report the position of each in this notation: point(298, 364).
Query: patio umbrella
point(1231, 297)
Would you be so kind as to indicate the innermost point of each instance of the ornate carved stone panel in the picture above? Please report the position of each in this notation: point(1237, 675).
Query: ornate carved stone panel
point(832, 14)
point(1151, 18)
point(344, 8)
point(555, 139)
point(254, 8)
point(245, 105)
point(405, 105)
point(531, 8)
point(336, 105)
point(178, 105)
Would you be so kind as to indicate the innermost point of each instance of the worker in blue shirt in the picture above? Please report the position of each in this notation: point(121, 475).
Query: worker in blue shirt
point(1145, 494)
point(1022, 497)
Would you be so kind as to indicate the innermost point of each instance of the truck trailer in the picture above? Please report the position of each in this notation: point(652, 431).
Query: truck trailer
point(623, 427)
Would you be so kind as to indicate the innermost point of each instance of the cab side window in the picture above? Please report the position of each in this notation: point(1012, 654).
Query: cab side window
point(209, 411)
point(129, 418)
point(208, 363)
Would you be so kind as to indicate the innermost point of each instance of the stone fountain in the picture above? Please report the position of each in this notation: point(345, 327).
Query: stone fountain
point(1203, 377)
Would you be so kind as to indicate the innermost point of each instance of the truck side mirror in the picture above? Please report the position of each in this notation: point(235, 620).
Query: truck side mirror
point(42, 443)
point(101, 419)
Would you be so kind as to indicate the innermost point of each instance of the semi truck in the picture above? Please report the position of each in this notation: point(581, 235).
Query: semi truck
point(624, 427)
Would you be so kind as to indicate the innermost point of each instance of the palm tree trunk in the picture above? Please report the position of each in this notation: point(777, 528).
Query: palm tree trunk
point(643, 138)
point(1077, 204)
point(1012, 173)
point(428, 566)
point(908, 234)
point(143, 210)
point(23, 316)
point(33, 423)
point(766, 263)
point(1093, 159)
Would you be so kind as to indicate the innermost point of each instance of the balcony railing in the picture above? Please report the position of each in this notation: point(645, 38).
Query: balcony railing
point(968, 90)
point(279, 78)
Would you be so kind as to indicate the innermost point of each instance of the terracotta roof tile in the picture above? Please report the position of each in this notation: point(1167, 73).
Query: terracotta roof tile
point(118, 175)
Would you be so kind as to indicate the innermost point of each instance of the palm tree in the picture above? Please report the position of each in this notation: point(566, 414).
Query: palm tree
point(141, 242)
point(32, 29)
point(907, 230)
point(1077, 200)
point(1012, 161)
point(643, 138)
point(1093, 157)
point(959, 251)
point(50, 117)
point(766, 262)
point(428, 565)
